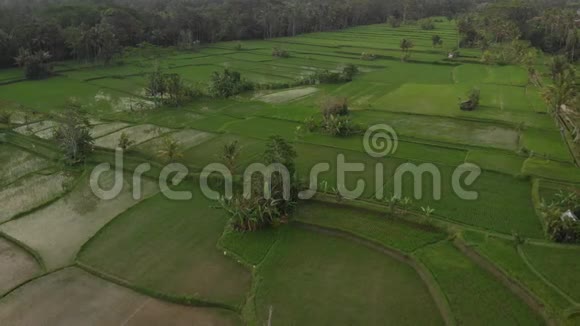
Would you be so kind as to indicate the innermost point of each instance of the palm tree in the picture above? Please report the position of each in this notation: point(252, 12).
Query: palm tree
point(171, 149)
point(230, 155)
point(125, 142)
point(561, 92)
point(406, 46)
point(558, 64)
point(528, 60)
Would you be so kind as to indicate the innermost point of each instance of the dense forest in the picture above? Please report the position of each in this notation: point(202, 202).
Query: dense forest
point(94, 30)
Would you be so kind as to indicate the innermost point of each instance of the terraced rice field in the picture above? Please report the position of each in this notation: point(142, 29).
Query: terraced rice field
point(73, 220)
point(30, 192)
point(470, 289)
point(73, 296)
point(137, 134)
point(68, 257)
point(16, 266)
point(305, 279)
point(17, 163)
point(170, 248)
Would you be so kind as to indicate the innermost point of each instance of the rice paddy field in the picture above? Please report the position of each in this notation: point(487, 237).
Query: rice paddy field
point(68, 257)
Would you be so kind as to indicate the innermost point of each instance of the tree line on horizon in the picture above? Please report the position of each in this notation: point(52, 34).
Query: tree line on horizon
point(98, 30)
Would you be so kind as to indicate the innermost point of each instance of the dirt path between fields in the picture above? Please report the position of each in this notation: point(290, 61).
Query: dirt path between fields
point(515, 287)
point(424, 274)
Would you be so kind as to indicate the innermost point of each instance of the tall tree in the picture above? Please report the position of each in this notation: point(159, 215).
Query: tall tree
point(406, 46)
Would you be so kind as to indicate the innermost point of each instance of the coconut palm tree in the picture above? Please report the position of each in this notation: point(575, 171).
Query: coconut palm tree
point(561, 92)
point(230, 155)
point(528, 60)
point(558, 64)
point(125, 142)
point(170, 150)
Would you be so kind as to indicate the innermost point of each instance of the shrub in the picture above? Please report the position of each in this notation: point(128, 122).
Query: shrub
point(327, 76)
point(436, 40)
point(427, 211)
point(178, 92)
point(73, 135)
point(560, 228)
point(124, 141)
point(36, 65)
point(238, 46)
point(487, 57)
point(367, 56)
point(472, 102)
point(406, 45)
point(5, 117)
point(394, 21)
point(335, 118)
point(563, 231)
point(256, 211)
point(345, 74)
point(349, 71)
point(427, 24)
point(280, 53)
point(169, 88)
point(227, 83)
point(336, 106)
point(312, 124)
point(474, 96)
point(251, 214)
point(340, 126)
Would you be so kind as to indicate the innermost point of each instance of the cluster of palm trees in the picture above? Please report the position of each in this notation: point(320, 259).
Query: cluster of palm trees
point(560, 31)
point(96, 43)
point(256, 210)
point(562, 92)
